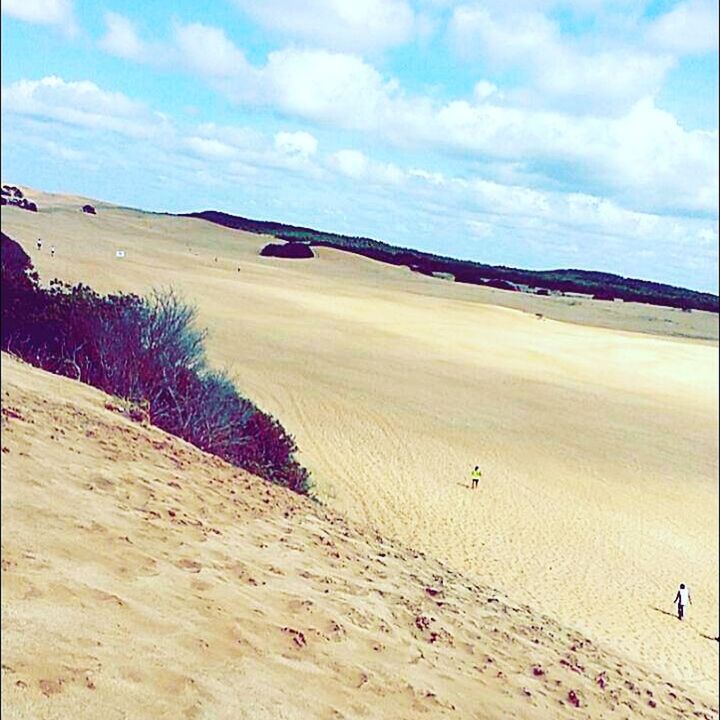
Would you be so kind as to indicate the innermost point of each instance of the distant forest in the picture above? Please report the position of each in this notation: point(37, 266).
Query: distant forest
point(600, 285)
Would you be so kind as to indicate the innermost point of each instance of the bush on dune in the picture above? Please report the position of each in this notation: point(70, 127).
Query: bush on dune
point(147, 351)
point(292, 250)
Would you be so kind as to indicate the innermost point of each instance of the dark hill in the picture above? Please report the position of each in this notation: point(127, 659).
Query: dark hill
point(601, 284)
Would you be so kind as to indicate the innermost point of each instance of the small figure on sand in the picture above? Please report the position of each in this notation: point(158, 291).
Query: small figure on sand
point(683, 599)
point(39, 244)
point(52, 251)
point(476, 475)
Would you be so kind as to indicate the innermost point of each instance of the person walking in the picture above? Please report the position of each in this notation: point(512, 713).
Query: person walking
point(683, 599)
point(476, 475)
point(52, 251)
point(39, 244)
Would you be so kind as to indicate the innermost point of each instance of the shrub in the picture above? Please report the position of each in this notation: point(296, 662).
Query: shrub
point(603, 295)
point(12, 195)
point(13, 258)
point(88, 209)
point(293, 250)
point(148, 352)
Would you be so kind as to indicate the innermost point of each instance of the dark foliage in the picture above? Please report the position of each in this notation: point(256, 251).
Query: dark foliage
point(603, 295)
point(237, 222)
point(293, 250)
point(89, 209)
point(12, 191)
point(12, 195)
point(562, 280)
point(13, 257)
point(148, 351)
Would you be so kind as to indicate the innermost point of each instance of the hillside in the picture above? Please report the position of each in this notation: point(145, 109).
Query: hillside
point(606, 286)
point(595, 423)
point(142, 578)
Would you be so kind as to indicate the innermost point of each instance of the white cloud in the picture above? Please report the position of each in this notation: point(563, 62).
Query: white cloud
point(354, 25)
point(44, 12)
point(209, 148)
point(207, 51)
point(357, 166)
point(241, 138)
point(595, 225)
point(690, 27)
point(351, 163)
point(121, 38)
point(483, 90)
point(555, 228)
point(644, 155)
point(561, 72)
point(297, 144)
point(511, 38)
point(80, 103)
point(481, 229)
point(241, 150)
point(63, 152)
point(640, 153)
point(327, 86)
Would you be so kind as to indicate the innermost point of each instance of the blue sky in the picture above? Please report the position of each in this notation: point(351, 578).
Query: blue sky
point(532, 133)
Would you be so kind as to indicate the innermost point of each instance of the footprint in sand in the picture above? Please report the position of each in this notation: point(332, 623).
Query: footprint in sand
point(190, 565)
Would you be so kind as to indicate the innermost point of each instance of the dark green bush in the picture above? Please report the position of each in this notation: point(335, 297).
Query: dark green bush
point(292, 250)
point(146, 350)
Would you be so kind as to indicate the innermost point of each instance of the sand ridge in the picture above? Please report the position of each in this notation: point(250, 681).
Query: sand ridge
point(143, 578)
point(598, 444)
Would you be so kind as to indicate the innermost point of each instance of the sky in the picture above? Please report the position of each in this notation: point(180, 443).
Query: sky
point(532, 133)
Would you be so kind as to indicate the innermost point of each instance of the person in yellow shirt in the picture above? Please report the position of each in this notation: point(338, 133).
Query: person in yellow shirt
point(476, 475)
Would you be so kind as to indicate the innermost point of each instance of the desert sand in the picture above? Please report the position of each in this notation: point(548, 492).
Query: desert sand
point(143, 578)
point(595, 425)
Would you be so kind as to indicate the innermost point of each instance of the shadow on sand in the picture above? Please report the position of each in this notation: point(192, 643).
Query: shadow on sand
point(709, 637)
point(702, 635)
point(665, 612)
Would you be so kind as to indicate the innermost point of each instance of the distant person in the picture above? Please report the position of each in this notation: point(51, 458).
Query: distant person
point(39, 244)
point(476, 475)
point(52, 251)
point(683, 599)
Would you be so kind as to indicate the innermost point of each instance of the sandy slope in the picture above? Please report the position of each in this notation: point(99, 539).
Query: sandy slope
point(144, 579)
point(598, 445)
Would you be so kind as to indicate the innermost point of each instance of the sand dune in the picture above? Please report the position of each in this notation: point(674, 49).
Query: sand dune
point(142, 578)
point(597, 438)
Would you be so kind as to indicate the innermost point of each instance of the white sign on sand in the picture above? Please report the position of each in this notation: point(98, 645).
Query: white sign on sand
point(119, 253)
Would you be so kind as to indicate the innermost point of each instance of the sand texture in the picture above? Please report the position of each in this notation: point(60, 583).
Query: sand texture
point(142, 578)
point(597, 438)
